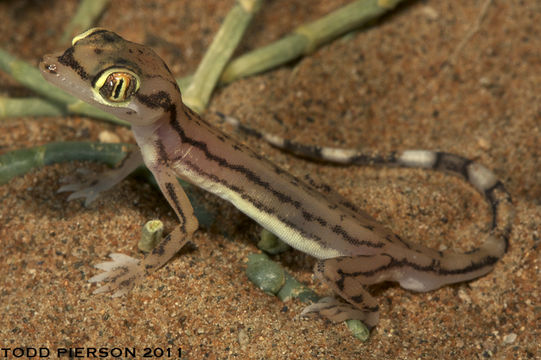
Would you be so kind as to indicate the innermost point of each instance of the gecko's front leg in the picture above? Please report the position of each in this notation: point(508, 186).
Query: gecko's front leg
point(124, 272)
point(99, 183)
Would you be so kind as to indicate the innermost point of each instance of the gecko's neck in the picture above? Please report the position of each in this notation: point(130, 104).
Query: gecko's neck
point(160, 139)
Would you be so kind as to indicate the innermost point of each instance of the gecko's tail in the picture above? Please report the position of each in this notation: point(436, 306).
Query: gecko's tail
point(480, 177)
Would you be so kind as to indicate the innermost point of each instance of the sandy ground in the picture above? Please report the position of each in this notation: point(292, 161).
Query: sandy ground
point(406, 82)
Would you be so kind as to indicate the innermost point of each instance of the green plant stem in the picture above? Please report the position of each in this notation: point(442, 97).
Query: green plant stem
point(303, 40)
point(208, 72)
point(30, 77)
point(19, 162)
point(307, 38)
point(273, 279)
point(15, 107)
point(85, 17)
point(151, 235)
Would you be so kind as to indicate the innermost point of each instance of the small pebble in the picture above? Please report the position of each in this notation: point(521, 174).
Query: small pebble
point(509, 338)
point(266, 274)
point(108, 137)
point(430, 12)
point(463, 295)
point(243, 339)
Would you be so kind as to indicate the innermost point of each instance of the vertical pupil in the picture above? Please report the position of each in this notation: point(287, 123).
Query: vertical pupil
point(118, 88)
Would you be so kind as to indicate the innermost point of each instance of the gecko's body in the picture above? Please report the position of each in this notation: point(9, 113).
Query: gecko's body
point(132, 82)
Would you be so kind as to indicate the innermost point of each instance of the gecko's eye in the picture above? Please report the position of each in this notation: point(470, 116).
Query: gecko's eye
point(116, 86)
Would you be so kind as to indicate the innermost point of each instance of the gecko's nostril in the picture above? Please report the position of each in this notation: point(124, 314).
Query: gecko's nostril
point(50, 68)
point(47, 65)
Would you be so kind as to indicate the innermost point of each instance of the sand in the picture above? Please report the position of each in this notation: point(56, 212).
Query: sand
point(431, 75)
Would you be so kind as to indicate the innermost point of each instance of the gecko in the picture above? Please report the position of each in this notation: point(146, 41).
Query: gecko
point(352, 249)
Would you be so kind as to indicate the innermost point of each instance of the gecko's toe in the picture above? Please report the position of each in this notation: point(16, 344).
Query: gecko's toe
point(338, 311)
point(98, 278)
point(119, 275)
point(69, 187)
point(80, 190)
point(101, 290)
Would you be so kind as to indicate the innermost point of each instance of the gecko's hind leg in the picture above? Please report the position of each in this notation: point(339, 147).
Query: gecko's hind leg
point(347, 276)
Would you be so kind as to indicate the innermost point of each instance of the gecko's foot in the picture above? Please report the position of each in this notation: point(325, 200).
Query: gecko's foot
point(98, 183)
point(89, 189)
point(338, 311)
point(120, 275)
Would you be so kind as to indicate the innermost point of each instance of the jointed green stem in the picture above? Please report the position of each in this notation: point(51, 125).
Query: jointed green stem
point(21, 161)
point(208, 72)
point(87, 13)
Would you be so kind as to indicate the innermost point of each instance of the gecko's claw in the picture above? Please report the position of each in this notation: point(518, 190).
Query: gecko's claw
point(120, 275)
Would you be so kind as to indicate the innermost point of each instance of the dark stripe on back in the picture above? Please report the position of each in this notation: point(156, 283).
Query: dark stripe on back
point(269, 210)
point(308, 216)
point(250, 175)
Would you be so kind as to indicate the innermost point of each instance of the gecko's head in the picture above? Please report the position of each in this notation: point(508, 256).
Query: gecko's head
point(121, 77)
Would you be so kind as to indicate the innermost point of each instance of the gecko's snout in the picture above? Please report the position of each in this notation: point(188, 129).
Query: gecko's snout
point(47, 64)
